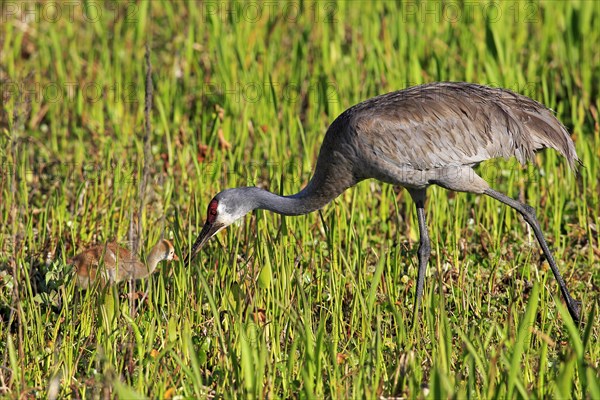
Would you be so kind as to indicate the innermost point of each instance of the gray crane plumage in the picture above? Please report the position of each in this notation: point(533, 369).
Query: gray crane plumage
point(424, 135)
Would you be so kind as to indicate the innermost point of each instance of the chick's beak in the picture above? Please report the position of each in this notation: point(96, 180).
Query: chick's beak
point(208, 230)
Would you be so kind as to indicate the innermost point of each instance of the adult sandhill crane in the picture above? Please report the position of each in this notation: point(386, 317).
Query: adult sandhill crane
point(432, 134)
point(111, 263)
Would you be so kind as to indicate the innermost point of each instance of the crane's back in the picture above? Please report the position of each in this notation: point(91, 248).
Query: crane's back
point(440, 126)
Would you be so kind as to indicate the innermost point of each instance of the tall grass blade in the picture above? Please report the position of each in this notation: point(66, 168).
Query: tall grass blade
point(522, 341)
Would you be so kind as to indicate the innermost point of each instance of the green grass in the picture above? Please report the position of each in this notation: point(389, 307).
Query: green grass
point(305, 307)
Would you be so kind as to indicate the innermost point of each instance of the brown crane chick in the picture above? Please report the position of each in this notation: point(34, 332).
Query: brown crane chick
point(111, 263)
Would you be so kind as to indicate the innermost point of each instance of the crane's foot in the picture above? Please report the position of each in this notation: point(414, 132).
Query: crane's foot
point(574, 307)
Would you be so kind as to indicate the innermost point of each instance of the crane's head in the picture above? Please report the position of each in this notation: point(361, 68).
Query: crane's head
point(224, 209)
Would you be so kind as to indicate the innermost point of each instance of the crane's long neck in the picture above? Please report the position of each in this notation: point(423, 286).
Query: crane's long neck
point(332, 176)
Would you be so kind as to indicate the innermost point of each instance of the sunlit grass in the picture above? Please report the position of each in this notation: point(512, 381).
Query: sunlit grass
point(312, 306)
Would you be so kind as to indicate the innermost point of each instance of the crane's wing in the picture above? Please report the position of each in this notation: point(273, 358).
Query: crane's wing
point(455, 124)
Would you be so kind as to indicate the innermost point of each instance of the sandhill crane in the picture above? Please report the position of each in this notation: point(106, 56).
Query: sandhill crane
point(112, 263)
point(432, 134)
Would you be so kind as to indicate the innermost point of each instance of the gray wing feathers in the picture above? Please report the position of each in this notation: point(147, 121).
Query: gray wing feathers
point(452, 124)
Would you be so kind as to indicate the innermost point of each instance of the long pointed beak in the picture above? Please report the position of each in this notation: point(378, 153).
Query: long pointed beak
point(208, 230)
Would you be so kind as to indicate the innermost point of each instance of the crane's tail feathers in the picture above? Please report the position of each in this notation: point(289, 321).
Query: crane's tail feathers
point(547, 132)
point(535, 127)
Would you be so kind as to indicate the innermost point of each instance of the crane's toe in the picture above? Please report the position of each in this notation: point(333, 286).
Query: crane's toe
point(575, 310)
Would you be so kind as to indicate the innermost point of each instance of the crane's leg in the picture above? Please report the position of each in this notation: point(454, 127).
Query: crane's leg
point(424, 247)
point(528, 213)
